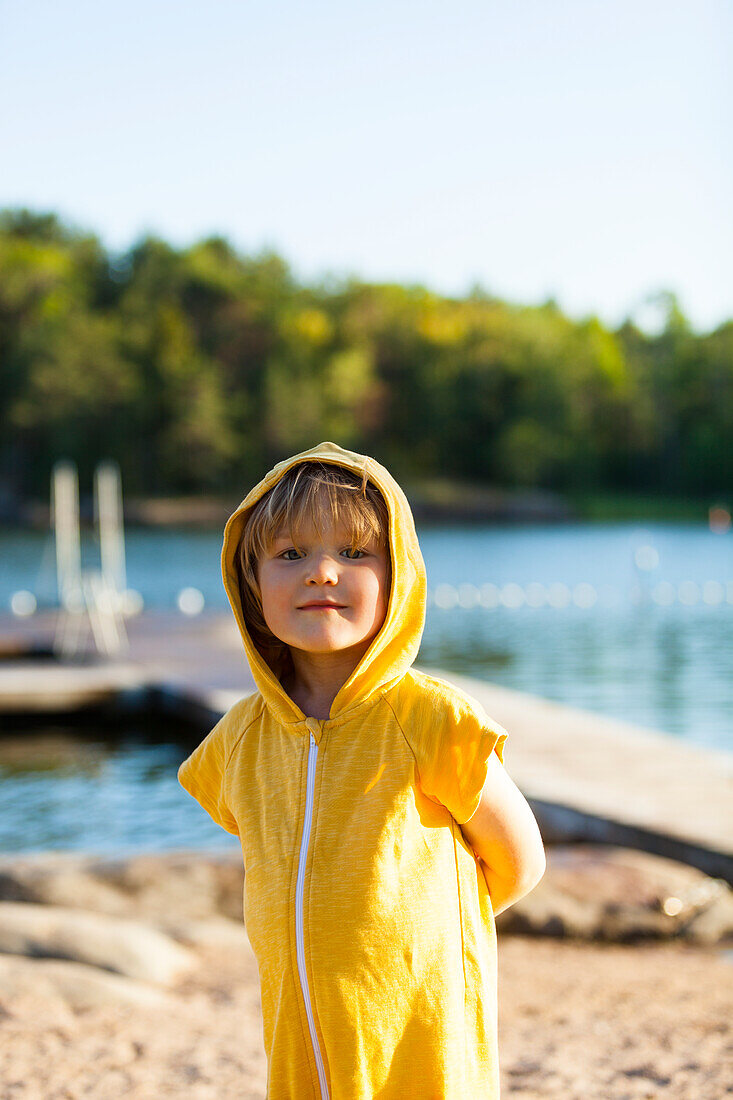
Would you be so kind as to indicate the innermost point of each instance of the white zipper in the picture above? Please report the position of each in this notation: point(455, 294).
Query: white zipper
point(299, 948)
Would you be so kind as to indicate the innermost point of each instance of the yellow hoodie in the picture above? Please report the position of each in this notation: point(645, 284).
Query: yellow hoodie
point(366, 909)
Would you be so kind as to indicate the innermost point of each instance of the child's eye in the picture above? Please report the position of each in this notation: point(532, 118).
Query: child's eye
point(353, 553)
point(290, 550)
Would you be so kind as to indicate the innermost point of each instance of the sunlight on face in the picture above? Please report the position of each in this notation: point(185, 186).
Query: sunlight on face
point(322, 597)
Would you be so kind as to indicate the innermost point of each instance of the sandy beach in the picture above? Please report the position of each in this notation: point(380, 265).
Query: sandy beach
point(577, 1022)
point(579, 1019)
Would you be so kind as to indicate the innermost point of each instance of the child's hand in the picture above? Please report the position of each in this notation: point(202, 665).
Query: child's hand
point(505, 836)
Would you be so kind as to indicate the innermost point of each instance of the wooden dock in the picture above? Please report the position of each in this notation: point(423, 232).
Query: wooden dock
point(587, 777)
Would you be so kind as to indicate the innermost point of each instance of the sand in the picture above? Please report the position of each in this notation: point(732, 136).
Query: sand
point(578, 1021)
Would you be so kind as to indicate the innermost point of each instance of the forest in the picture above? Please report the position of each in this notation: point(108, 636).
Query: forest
point(198, 367)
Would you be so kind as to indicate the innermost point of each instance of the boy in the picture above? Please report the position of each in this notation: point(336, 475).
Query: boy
point(380, 833)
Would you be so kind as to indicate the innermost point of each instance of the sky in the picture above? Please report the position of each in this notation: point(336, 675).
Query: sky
point(573, 149)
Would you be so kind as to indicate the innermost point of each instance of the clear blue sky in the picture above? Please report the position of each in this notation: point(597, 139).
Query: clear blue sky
point(571, 148)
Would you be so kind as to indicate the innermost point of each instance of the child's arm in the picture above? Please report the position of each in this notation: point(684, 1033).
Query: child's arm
point(505, 836)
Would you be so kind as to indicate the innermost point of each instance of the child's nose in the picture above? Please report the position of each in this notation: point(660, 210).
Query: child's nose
point(323, 570)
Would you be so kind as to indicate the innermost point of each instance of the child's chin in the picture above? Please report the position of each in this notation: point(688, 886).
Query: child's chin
point(331, 643)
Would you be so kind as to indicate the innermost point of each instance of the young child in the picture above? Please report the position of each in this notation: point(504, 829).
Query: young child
point(379, 831)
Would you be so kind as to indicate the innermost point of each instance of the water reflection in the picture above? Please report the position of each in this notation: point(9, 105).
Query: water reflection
point(64, 789)
point(666, 668)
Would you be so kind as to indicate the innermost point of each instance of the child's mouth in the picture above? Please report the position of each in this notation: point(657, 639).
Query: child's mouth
point(322, 607)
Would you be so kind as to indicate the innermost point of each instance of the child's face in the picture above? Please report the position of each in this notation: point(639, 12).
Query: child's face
point(297, 584)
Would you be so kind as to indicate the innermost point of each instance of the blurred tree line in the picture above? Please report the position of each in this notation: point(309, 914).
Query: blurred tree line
point(198, 368)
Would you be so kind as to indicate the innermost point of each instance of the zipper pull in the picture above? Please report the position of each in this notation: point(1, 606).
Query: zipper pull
point(313, 728)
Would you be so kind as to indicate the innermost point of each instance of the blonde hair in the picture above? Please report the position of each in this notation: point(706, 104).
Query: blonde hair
point(311, 492)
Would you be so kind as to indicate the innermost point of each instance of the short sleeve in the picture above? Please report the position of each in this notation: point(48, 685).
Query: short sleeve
point(453, 738)
point(203, 775)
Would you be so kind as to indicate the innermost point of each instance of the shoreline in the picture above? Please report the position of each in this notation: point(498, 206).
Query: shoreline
point(437, 505)
point(434, 501)
point(586, 776)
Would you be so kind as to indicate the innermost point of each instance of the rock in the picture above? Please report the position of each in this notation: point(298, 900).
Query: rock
point(72, 984)
point(55, 878)
point(195, 885)
point(126, 947)
point(600, 892)
point(711, 919)
point(589, 892)
point(214, 932)
point(547, 912)
point(61, 885)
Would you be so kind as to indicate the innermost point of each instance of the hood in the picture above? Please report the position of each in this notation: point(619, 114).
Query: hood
point(395, 646)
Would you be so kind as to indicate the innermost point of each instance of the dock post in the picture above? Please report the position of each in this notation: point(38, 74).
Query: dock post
point(108, 588)
point(65, 516)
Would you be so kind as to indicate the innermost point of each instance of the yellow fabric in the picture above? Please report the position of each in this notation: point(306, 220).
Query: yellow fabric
point(398, 931)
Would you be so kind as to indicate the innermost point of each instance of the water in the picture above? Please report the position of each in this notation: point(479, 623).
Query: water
point(628, 656)
point(631, 654)
point(63, 789)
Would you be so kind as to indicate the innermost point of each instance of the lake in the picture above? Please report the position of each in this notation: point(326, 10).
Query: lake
point(629, 621)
